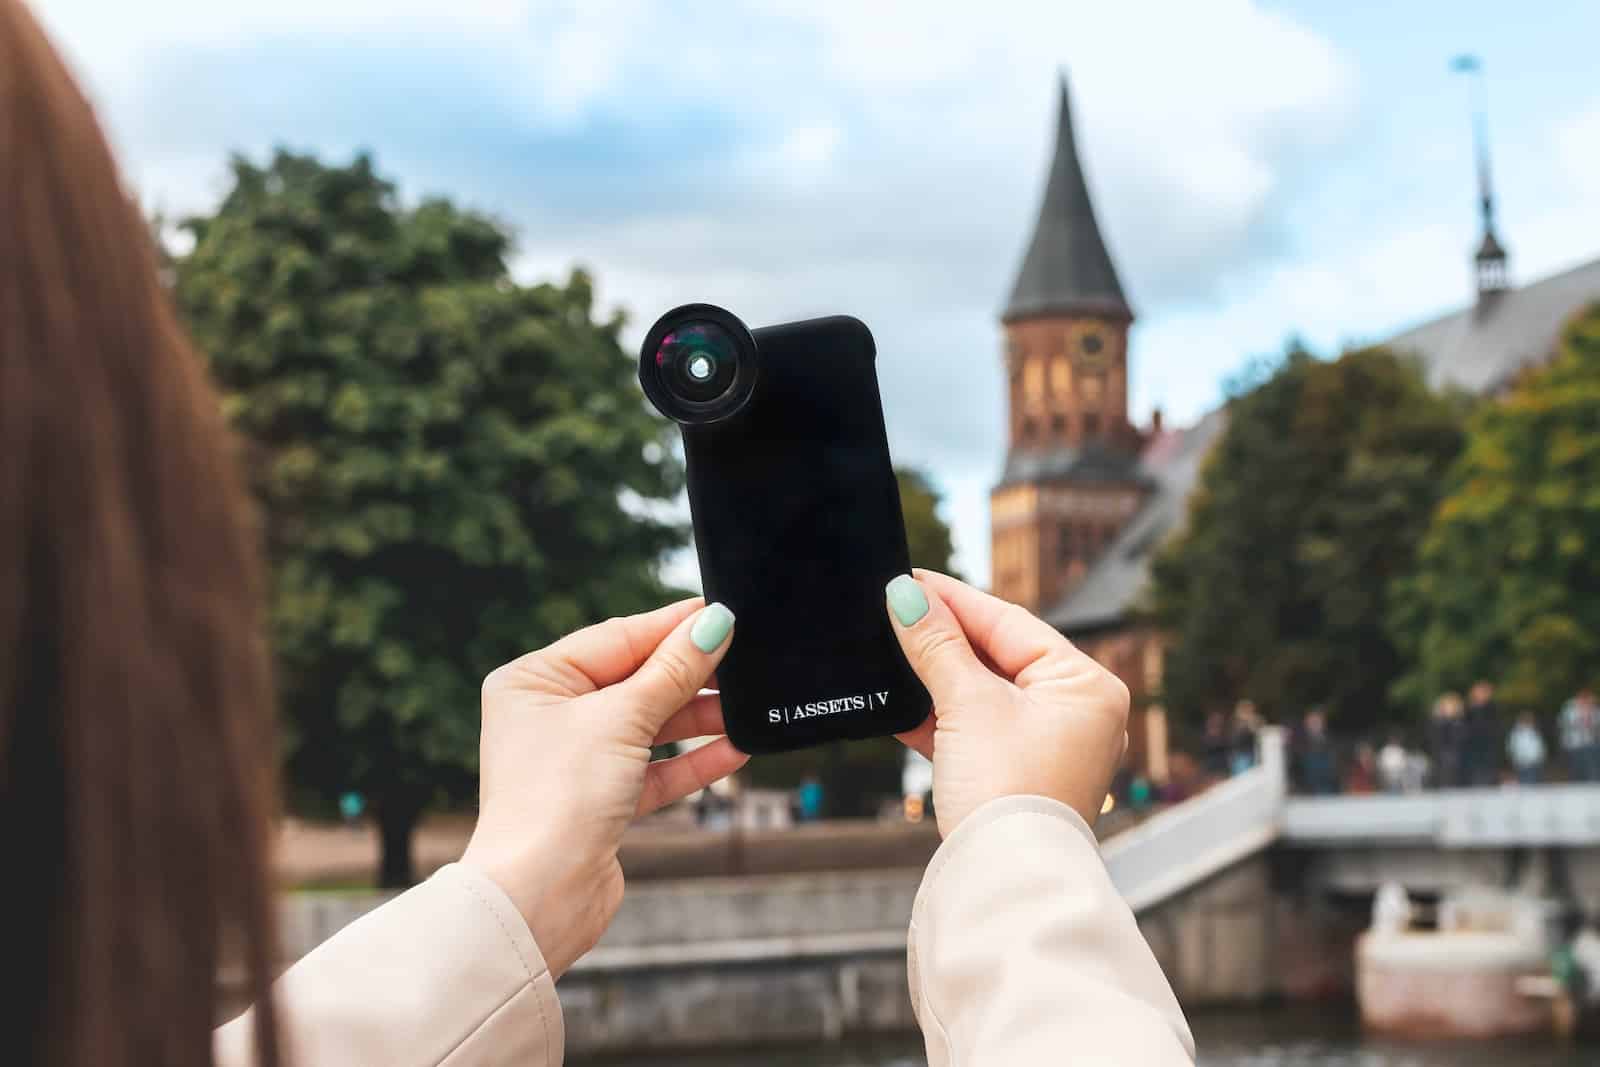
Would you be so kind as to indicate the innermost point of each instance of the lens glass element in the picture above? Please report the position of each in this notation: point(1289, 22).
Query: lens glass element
point(697, 361)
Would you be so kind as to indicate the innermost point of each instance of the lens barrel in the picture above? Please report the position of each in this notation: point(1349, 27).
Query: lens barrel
point(698, 364)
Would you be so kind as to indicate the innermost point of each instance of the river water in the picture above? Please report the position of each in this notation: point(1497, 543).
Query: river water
point(1268, 1039)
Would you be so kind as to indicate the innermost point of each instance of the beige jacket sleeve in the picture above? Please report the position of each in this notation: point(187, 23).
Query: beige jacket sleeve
point(1022, 953)
point(445, 974)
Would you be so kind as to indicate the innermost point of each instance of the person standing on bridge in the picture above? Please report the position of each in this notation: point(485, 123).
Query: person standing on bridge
point(1244, 737)
point(1318, 768)
point(1580, 736)
point(1481, 736)
point(1216, 746)
point(1363, 777)
point(1393, 762)
point(1525, 749)
point(1444, 738)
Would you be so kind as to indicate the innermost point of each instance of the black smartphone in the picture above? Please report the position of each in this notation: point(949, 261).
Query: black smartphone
point(797, 520)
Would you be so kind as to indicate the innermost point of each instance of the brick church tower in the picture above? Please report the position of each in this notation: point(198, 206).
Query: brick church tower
point(1072, 475)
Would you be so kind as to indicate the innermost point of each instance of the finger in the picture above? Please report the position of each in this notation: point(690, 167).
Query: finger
point(701, 717)
point(932, 639)
point(1009, 636)
point(920, 739)
point(680, 665)
point(673, 779)
point(602, 654)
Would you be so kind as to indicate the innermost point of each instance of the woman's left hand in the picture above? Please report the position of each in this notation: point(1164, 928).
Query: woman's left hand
point(565, 762)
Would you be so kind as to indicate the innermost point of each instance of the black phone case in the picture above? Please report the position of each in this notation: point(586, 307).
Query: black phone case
point(798, 528)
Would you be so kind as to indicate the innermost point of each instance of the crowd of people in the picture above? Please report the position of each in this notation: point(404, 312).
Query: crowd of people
point(1471, 742)
point(1465, 743)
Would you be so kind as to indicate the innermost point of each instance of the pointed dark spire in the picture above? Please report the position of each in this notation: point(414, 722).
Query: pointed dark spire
point(1490, 269)
point(1067, 269)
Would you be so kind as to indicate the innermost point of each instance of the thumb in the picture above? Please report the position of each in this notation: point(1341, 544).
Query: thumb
point(933, 641)
point(681, 665)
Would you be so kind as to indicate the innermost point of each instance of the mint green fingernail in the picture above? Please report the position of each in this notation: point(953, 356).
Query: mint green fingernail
point(906, 599)
point(711, 628)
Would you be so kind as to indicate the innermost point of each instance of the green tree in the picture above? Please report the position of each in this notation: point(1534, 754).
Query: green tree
point(1315, 498)
point(442, 459)
point(927, 535)
point(1509, 582)
point(856, 775)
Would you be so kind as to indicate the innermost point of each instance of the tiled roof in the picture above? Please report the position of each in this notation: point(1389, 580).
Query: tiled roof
point(1111, 587)
point(1481, 348)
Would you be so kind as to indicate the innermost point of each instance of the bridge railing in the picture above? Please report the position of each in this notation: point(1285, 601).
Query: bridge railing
point(1495, 817)
point(1190, 842)
point(1187, 843)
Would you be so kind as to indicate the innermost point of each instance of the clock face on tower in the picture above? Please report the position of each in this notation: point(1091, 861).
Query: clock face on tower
point(1092, 350)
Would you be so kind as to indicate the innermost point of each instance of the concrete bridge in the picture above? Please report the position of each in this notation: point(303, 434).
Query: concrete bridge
point(1244, 893)
point(1425, 841)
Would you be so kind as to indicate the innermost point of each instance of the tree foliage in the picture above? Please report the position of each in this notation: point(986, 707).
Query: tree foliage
point(441, 458)
point(1315, 498)
point(927, 535)
point(1508, 585)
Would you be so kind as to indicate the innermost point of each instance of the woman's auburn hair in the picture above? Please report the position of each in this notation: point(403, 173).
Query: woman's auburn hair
point(136, 751)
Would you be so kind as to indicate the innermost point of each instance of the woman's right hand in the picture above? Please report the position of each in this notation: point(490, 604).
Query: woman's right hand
point(1018, 709)
point(565, 762)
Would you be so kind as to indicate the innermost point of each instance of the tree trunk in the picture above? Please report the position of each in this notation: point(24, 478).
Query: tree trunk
point(397, 819)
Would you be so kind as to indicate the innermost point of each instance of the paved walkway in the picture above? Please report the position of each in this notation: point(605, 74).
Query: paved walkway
point(334, 856)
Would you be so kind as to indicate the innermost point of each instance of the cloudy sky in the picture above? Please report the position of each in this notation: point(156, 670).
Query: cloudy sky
point(1261, 169)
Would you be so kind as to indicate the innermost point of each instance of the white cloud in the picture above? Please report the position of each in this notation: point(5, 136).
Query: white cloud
point(1577, 144)
point(807, 148)
point(1559, 228)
